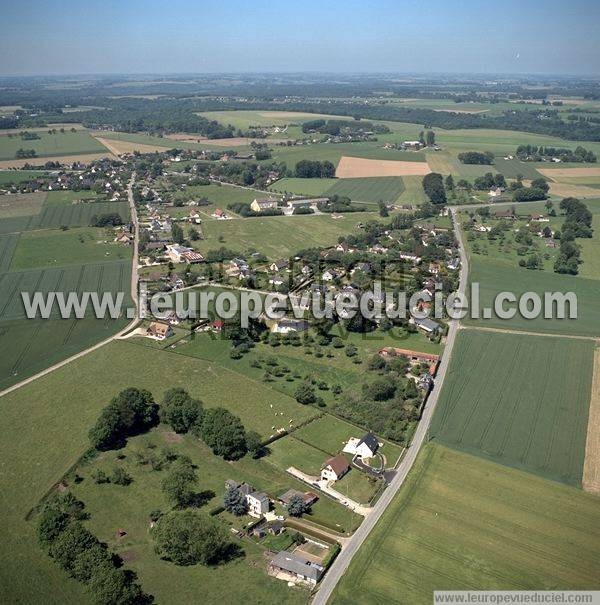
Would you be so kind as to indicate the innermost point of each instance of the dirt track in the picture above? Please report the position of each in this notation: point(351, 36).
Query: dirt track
point(350, 167)
point(591, 467)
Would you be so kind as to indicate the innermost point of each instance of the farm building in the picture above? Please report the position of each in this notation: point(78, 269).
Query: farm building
point(308, 497)
point(290, 566)
point(413, 357)
point(334, 468)
point(283, 326)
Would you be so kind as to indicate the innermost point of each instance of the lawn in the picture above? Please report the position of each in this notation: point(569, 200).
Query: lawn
point(48, 145)
point(520, 400)
point(290, 451)
point(41, 249)
point(278, 236)
point(463, 523)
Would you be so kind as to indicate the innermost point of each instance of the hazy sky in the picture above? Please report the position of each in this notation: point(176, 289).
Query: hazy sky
point(159, 36)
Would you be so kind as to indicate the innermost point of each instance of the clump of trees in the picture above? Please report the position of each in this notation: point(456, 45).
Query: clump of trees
point(110, 219)
point(489, 180)
point(188, 538)
point(314, 169)
point(578, 223)
point(180, 410)
point(433, 185)
point(131, 412)
point(86, 559)
point(223, 432)
point(25, 153)
point(476, 157)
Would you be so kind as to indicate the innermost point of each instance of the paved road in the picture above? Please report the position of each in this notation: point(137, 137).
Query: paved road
point(134, 296)
point(340, 565)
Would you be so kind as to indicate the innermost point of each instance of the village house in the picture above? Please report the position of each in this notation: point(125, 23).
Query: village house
point(194, 217)
point(260, 205)
point(159, 331)
point(539, 218)
point(363, 267)
point(334, 468)
point(279, 265)
point(124, 238)
point(364, 448)
point(413, 258)
point(183, 254)
point(277, 280)
point(258, 502)
point(453, 264)
point(331, 274)
point(292, 567)
point(220, 215)
point(496, 191)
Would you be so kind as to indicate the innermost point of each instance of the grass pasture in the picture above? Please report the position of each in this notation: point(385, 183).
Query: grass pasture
point(278, 236)
point(309, 187)
point(50, 248)
point(463, 523)
point(519, 400)
point(8, 177)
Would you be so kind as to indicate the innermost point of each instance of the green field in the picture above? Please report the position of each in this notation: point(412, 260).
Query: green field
point(278, 236)
point(513, 168)
point(374, 189)
point(77, 215)
point(463, 523)
point(67, 197)
point(48, 248)
point(519, 400)
point(310, 187)
point(219, 195)
point(8, 177)
point(48, 145)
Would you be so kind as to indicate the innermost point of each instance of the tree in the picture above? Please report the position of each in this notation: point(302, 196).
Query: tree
point(180, 483)
point(51, 524)
point(296, 506)
point(177, 234)
point(194, 234)
point(383, 210)
point(70, 543)
point(254, 444)
point(430, 138)
point(179, 410)
point(235, 502)
point(120, 476)
point(88, 562)
point(188, 538)
point(132, 411)
point(224, 433)
point(305, 393)
point(110, 586)
point(450, 183)
point(380, 389)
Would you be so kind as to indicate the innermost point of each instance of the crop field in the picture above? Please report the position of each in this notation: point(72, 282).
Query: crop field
point(49, 145)
point(413, 190)
point(354, 167)
point(333, 152)
point(77, 215)
point(146, 143)
point(513, 168)
point(373, 189)
point(310, 187)
point(59, 408)
point(569, 190)
point(496, 275)
point(583, 171)
point(519, 400)
point(452, 527)
point(590, 251)
point(278, 236)
point(23, 204)
point(81, 158)
point(8, 243)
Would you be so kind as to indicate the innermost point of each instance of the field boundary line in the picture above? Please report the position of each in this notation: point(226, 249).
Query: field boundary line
point(528, 333)
point(591, 466)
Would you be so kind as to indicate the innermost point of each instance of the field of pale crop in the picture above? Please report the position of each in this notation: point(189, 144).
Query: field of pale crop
point(520, 400)
point(463, 523)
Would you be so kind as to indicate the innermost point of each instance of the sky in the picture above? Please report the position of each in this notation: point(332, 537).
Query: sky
point(196, 36)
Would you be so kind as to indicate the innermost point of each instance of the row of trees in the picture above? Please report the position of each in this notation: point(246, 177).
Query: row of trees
point(578, 223)
point(62, 534)
point(314, 169)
